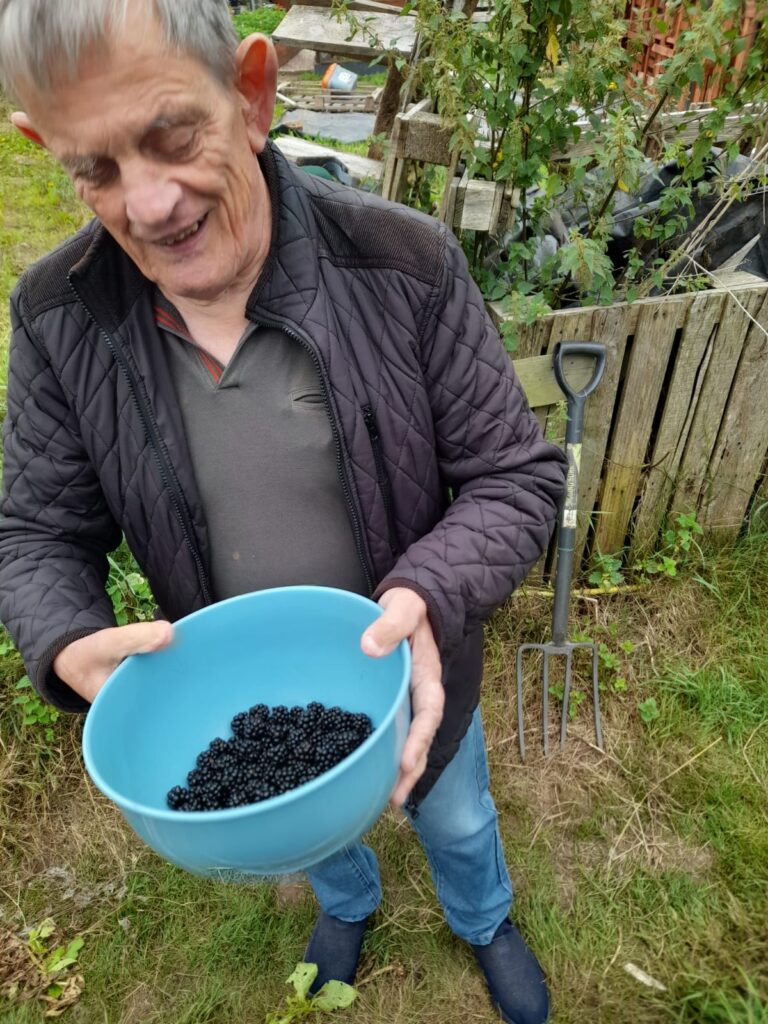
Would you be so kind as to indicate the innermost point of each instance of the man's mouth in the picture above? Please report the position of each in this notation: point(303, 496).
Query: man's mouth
point(181, 236)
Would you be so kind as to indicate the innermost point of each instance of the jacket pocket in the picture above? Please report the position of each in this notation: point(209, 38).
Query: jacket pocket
point(382, 477)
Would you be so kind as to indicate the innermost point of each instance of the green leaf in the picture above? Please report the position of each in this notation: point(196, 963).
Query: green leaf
point(63, 957)
point(302, 979)
point(696, 74)
point(648, 710)
point(334, 995)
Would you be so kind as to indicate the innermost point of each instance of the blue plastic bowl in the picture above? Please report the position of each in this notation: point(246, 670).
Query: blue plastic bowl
point(292, 645)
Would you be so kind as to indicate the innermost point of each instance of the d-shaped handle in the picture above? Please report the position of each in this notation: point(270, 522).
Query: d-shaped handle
point(579, 348)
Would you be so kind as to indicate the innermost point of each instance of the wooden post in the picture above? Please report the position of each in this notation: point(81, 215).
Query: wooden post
point(389, 104)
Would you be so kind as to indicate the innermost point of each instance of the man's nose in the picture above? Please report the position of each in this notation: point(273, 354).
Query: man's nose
point(151, 195)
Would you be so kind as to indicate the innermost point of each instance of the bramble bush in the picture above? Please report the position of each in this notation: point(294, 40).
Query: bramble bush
point(539, 78)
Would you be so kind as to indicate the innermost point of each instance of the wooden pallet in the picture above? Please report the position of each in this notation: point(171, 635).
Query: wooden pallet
point(312, 96)
point(678, 422)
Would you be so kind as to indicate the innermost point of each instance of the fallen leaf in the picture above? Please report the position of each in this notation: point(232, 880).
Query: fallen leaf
point(643, 978)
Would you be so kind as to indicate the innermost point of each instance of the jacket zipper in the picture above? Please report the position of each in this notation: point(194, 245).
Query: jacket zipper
point(346, 487)
point(383, 477)
point(167, 474)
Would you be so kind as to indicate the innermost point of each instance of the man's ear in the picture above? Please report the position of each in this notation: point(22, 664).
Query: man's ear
point(257, 83)
point(20, 121)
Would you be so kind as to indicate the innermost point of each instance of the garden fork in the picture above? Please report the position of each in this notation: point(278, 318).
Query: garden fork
point(565, 543)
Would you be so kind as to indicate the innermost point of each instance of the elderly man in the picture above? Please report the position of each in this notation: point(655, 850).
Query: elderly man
point(261, 378)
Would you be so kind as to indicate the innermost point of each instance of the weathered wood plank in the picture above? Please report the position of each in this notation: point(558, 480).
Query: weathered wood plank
point(316, 28)
point(610, 327)
point(301, 151)
point(353, 5)
point(646, 369)
point(726, 351)
point(743, 440)
point(393, 166)
point(680, 126)
point(534, 340)
point(758, 513)
point(537, 377)
point(685, 387)
point(480, 202)
point(425, 138)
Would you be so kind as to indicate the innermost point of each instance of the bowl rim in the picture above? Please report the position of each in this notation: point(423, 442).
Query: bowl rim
point(230, 813)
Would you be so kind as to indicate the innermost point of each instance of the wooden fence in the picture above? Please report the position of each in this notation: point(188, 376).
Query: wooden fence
point(680, 420)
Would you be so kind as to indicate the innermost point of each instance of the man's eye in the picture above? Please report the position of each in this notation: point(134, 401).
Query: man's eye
point(172, 143)
point(96, 172)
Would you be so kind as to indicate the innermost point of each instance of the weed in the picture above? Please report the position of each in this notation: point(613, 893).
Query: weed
point(334, 995)
point(35, 713)
point(680, 545)
point(575, 699)
point(606, 573)
point(132, 599)
point(35, 968)
point(649, 710)
point(609, 658)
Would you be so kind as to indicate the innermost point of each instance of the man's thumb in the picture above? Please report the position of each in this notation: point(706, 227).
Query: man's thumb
point(383, 635)
point(141, 638)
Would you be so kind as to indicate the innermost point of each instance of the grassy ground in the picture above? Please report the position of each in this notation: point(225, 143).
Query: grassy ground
point(654, 853)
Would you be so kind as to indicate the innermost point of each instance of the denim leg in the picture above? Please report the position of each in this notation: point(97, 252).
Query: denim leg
point(347, 885)
point(457, 824)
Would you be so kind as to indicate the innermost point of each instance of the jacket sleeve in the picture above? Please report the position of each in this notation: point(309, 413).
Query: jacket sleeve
point(506, 481)
point(55, 529)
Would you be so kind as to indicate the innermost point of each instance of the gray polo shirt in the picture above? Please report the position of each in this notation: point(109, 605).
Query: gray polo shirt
point(263, 457)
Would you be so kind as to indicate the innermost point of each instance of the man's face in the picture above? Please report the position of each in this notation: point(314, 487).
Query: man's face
point(164, 155)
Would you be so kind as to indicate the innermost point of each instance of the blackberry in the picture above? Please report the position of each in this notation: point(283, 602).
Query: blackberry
point(269, 752)
point(238, 722)
point(178, 798)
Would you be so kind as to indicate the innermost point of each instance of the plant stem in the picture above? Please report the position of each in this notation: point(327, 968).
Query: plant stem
point(612, 191)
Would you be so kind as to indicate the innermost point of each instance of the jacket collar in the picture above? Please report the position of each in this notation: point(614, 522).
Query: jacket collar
point(109, 283)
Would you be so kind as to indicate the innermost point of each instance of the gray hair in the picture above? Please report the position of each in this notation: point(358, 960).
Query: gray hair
point(42, 40)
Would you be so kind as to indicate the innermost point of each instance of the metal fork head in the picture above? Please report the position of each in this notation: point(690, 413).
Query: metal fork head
point(550, 650)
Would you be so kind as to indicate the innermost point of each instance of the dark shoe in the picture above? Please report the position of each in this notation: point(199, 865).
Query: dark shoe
point(335, 947)
point(514, 977)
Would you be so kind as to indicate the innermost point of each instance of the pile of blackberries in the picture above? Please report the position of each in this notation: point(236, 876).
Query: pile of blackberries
point(270, 752)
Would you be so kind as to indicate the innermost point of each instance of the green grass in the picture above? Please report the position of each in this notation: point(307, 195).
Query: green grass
point(655, 854)
point(37, 209)
point(264, 19)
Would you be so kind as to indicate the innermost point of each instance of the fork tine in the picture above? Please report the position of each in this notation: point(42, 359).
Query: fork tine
point(520, 731)
point(596, 698)
point(545, 703)
point(566, 697)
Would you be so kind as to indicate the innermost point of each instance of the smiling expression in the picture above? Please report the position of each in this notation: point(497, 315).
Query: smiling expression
point(163, 154)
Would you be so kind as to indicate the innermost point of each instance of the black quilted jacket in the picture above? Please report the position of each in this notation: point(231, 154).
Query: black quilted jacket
point(450, 488)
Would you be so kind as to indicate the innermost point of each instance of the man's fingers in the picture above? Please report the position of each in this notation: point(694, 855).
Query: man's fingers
point(86, 664)
point(427, 699)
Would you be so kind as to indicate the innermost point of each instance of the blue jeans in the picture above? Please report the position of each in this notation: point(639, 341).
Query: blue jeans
point(457, 825)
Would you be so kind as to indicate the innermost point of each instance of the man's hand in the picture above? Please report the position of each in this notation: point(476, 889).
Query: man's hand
point(405, 618)
point(86, 664)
